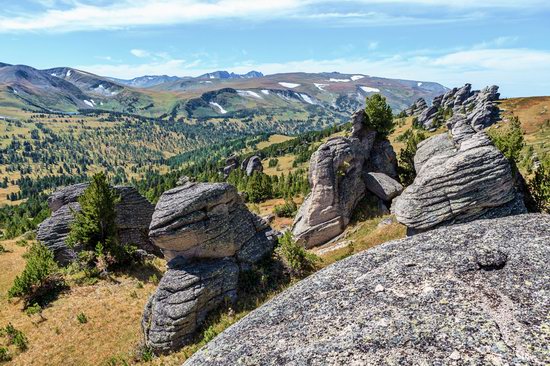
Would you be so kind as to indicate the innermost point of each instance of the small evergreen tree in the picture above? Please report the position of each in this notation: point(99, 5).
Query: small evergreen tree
point(539, 187)
point(379, 115)
point(407, 172)
point(509, 140)
point(94, 227)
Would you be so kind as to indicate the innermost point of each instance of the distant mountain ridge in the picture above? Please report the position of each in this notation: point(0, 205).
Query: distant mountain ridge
point(211, 95)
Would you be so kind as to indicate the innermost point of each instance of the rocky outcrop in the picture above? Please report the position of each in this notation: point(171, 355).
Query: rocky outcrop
point(208, 220)
point(208, 235)
point(187, 292)
point(133, 217)
point(231, 164)
point(253, 164)
point(337, 180)
point(478, 107)
point(383, 186)
point(458, 180)
point(416, 108)
point(472, 294)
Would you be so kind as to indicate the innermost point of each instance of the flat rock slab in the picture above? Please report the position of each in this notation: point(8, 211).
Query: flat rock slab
point(384, 187)
point(475, 294)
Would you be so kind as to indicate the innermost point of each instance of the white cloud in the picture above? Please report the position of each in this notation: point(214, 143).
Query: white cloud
point(372, 46)
point(140, 53)
point(79, 16)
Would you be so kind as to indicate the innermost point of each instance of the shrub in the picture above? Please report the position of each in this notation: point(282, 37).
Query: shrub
point(407, 173)
point(40, 279)
point(539, 187)
point(2, 249)
point(288, 209)
point(33, 309)
point(4, 354)
point(509, 140)
point(299, 260)
point(82, 319)
point(16, 337)
point(379, 115)
point(273, 162)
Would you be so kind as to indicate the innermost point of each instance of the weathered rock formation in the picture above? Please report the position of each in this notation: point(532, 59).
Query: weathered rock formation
point(252, 164)
point(383, 186)
point(337, 180)
point(417, 107)
point(231, 164)
point(461, 176)
point(470, 294)
point(478, 107)
point(208, 235)
point(208, 220)
point(187, 292)
point(133, 217)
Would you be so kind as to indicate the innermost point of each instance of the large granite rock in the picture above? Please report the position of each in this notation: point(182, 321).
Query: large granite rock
point(134, 214)
point(208, 235)
point(458, 182)
point(335, 178)
point(470, 294)
point(382, 159)
point(208, 220)
point(187, 292)
point(417, 107)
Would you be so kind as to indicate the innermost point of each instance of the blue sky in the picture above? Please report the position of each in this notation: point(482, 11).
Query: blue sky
point(501, 42)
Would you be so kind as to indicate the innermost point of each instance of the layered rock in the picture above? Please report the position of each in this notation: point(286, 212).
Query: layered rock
point(383, 186)
point(134, 214)
point(474, 294)
point(208, 220)
point(458, 180)
point(208, 235)
point(187, 292)
point(417, 107)
point(231, 164)
point(337, 180)
point(478, 107)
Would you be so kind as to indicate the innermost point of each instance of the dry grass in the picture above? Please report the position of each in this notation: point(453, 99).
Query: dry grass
point(273, 139)
point(113, 309)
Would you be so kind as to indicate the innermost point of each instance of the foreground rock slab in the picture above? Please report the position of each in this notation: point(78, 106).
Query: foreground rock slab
point(474, 294)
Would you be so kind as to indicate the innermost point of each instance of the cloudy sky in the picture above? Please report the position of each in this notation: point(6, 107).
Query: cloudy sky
point(502, 42)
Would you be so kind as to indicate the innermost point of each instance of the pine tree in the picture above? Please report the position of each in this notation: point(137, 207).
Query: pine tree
point(94, 227)
point(379, 115)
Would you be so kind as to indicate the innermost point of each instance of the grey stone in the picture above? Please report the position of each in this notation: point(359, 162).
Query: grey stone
point(254, 164)
point(382, 159)
point(187, 292)
point(65, 195)
point(435, 145)
point(458, 186)
point(53, 232)
point(335, 177)
point(382, 186)
point(208, 220)
point(477, 290)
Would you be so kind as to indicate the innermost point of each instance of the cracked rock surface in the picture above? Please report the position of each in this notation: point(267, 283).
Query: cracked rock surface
point(469, 294)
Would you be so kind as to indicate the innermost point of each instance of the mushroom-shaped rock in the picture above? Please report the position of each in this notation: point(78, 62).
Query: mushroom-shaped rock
point(208, 220)
point(458, 186)
point(474, 294)
point(187, 292)
point(335, 177)
point(384, 187)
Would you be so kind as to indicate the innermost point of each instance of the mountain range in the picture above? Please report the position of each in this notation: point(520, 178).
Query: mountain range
point(211, 95)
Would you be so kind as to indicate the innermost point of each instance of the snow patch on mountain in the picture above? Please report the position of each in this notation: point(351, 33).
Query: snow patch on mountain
point(265, 91)
point(339, 80)
point(307, 99)
point(289, 85)
point(249, 93)
point(221, 110)
point(90, 103)
point(356, 77)
point(320, 86)
point(368, 89)
point(418, 84)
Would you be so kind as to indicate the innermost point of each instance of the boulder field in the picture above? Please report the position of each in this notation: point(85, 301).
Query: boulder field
point(474, 293)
